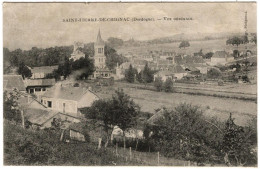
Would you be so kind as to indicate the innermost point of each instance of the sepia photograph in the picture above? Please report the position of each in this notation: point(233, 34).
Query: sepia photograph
point(130, 84)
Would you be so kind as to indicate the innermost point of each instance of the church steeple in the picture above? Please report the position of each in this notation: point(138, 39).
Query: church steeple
point(99, 39)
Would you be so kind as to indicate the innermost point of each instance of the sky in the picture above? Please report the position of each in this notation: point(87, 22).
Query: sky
point(27, 25)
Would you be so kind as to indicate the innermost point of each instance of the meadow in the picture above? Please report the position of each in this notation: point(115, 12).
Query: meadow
point(219, 107)
point(195, 46)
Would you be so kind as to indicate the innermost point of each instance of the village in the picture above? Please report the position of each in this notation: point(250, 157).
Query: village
point(46, 102)
point(174, 99)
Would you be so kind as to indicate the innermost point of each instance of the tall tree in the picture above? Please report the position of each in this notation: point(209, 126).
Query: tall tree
point(236, 144)
point(147, 75)
point(125, 110)
point(24, 70)
point(158, 84)
point(130, 74)
point(168, 85)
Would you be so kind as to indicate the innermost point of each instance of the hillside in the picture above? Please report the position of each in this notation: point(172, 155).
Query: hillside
point(28, 147)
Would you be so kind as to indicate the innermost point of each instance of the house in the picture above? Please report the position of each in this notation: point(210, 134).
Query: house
point(164, 75)
point(44, 118)
point(11, 82)
point(68, 99)
point(166, 55)
point(178, 71)
point(173, 72)
point(203, 69)
point(221, 57)
point(38, 86)
point(42, 72)
point(77, 54)
point(130, 133)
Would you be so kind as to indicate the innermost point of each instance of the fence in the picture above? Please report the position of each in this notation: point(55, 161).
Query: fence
point(147, 158)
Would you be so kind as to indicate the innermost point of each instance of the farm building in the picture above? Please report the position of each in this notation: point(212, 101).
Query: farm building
point(68, 99)
point(221, 57)
point(43, 118)
point(173, 72)
point(38, 86)
point(42, 72)
point(11, 82)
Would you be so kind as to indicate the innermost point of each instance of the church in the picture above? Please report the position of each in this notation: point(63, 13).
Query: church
point(100, 59)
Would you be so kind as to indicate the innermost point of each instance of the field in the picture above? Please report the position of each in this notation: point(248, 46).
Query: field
point(195, 46)
point(219, 107)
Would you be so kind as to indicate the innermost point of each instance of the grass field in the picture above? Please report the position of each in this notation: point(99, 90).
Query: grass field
point(195, 46)
point(213, 106)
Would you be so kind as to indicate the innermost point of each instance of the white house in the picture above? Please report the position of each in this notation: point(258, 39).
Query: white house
point(42, 72)
point(68, 99)
point(174, 73)
point(221, 57)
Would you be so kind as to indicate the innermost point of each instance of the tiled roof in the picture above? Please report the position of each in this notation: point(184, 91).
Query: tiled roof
point(221, 54)
point(39, 116)
point(44, 69)
point(13, 81)
point(40, 82)
point(66, 93)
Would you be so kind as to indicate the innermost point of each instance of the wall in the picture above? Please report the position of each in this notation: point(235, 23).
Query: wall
point(71, 106)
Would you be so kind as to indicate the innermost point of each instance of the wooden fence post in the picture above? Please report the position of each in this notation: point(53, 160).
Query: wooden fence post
point(99, 143)
point(116, 150)
point(22, 118)
point(158, 158)
point(130, 153)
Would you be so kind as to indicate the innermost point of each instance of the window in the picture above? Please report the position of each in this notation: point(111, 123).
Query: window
point(43, 89)
point(49, 103)
point(37, 89)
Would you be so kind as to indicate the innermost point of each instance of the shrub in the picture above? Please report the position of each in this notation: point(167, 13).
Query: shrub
point(168, 85)
point(158, 84)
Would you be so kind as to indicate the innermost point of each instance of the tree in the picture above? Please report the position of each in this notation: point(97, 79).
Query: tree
point(130, 74)
point(214, 73)
point(24, 70)
point(112, 58)
point(208, 55)
point(115, 42)
point(254, 39)
point(234, 41)
point(185, 133)
point(184, 44)
point(235, 144)
point(11, 107)
point(125, 111)
point(101, 110)
point(120, 110)
point(158, 84)
point(147, 75)
point(168, 85)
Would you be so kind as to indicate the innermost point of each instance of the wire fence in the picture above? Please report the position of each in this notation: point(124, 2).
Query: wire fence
point(147, 158)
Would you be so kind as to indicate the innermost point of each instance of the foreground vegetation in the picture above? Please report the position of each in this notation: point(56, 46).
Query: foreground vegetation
point(28, 147)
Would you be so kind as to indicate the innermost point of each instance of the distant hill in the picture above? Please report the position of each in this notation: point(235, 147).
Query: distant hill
point(180, 37)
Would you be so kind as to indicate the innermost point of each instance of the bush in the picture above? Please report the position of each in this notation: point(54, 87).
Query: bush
point(168, 85)
point(158, 84)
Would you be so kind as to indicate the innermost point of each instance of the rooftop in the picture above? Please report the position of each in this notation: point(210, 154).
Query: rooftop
point(67, 92)
point(40, 82)
point(44, 69)
point(99, 39)
point(221, 54)
point(13, 81)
